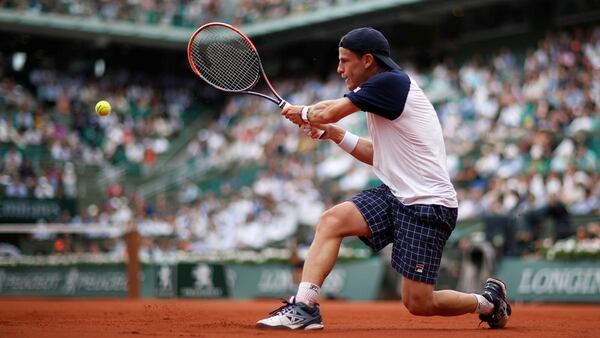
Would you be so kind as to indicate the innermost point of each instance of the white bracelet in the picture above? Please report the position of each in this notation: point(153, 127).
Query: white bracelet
point(305, 114)
point(349, 142)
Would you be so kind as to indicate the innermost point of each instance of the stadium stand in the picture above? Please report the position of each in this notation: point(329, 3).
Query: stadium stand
point(177, 13)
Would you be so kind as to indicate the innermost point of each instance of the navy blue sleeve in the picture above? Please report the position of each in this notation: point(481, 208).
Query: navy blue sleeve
point(383, 94)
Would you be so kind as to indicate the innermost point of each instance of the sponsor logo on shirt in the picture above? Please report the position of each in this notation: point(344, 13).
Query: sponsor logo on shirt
point(356, 89)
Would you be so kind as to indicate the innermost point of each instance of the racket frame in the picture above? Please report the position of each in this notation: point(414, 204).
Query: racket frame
point(278, 100)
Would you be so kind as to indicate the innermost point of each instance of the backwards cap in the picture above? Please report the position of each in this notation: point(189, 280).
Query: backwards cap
point(369, 40)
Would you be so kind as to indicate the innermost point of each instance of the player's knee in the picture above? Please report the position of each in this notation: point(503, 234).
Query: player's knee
point(329, 224)
point(418, 306)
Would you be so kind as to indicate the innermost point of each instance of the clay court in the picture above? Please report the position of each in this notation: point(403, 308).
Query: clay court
point(201, 318)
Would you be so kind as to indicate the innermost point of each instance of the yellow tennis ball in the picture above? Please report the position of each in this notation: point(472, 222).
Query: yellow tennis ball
point(103, 108)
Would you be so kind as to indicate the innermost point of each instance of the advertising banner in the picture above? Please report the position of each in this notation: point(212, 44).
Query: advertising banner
point(351, 280)
point(201, 280)
point(31, 210)
point(107, 280)
point(541, 280)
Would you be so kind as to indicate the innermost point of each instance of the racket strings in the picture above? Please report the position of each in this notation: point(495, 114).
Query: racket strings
point(225, 59)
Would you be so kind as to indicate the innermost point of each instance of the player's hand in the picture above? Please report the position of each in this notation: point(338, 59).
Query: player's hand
point(316, 131)
point(294, 114)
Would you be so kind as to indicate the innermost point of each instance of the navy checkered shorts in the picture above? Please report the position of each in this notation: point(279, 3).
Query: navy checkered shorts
point(418, 232)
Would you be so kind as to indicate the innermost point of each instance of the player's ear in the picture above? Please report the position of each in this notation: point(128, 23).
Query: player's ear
point(368, 60)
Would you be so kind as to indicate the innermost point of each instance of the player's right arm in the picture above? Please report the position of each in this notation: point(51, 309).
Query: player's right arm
point(329, 111)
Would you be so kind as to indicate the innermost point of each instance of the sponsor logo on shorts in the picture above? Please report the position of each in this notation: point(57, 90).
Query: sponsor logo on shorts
point(419, 268)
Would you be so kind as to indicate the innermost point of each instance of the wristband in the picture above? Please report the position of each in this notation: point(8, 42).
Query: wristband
point(304, 115)
point(349, 142)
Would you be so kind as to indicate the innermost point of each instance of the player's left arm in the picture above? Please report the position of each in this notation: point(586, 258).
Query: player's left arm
point(329, 111)
point(363, 149)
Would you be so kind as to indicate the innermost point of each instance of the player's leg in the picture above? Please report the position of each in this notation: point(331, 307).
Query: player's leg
point(365, 215)
point(418, 246)
point(302, 311)
point(334, 224)
point(420, 299)
point(341, 221)
point(417, 253)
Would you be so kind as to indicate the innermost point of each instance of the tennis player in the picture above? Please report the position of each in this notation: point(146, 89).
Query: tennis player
point(415, 208)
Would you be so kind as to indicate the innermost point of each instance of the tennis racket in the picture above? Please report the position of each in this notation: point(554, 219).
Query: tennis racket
point(226, 59)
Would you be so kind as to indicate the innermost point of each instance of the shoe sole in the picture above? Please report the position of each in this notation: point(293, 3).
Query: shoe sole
point(283, 327)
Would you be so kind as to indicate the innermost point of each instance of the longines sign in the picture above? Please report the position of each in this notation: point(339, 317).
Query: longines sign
point(539, 280)
point(567, 281)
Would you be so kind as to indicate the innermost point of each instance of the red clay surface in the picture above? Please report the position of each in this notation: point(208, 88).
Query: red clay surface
point(202, 318)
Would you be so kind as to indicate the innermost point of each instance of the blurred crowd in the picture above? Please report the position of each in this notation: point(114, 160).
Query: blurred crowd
point(44, 130)
point(522, 131)
point(22, 179)
point(523, 137)
point(178, 13)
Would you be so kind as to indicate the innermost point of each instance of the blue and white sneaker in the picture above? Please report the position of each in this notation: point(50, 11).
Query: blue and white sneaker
point(495, 291)
point(293, 316)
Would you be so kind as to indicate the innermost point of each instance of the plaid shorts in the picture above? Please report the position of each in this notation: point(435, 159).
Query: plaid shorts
point(418, 232)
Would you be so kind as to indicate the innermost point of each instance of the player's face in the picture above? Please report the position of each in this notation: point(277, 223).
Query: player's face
point(351, 68)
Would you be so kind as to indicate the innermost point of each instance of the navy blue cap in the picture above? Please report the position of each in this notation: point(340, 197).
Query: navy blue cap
point(369, 40)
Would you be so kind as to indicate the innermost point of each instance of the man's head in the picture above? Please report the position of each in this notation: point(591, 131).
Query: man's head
point(363, 52)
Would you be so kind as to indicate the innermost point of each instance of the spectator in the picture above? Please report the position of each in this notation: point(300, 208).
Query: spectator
point(16, 188)
point(560, 217)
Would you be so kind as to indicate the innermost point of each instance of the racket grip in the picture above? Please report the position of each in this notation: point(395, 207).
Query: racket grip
point(284, 104)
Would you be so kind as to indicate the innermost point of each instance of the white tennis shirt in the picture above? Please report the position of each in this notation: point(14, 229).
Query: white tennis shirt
point(409, 151)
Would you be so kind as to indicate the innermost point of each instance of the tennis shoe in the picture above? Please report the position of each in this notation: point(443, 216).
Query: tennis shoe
point(495, 292)
point(293, 316)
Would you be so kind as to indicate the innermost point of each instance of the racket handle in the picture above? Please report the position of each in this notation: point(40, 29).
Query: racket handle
point(284, 104)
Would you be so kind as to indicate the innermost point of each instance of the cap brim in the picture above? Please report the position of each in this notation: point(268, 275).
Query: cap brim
point(387, 61)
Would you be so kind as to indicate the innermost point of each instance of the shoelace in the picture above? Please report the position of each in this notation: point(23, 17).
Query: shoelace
point(286, 307)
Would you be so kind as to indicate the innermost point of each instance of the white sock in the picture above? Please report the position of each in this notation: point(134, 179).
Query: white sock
point(308, 293)
point(484, 306)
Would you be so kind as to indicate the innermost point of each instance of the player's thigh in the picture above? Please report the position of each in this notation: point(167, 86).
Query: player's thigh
point(343, 219)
